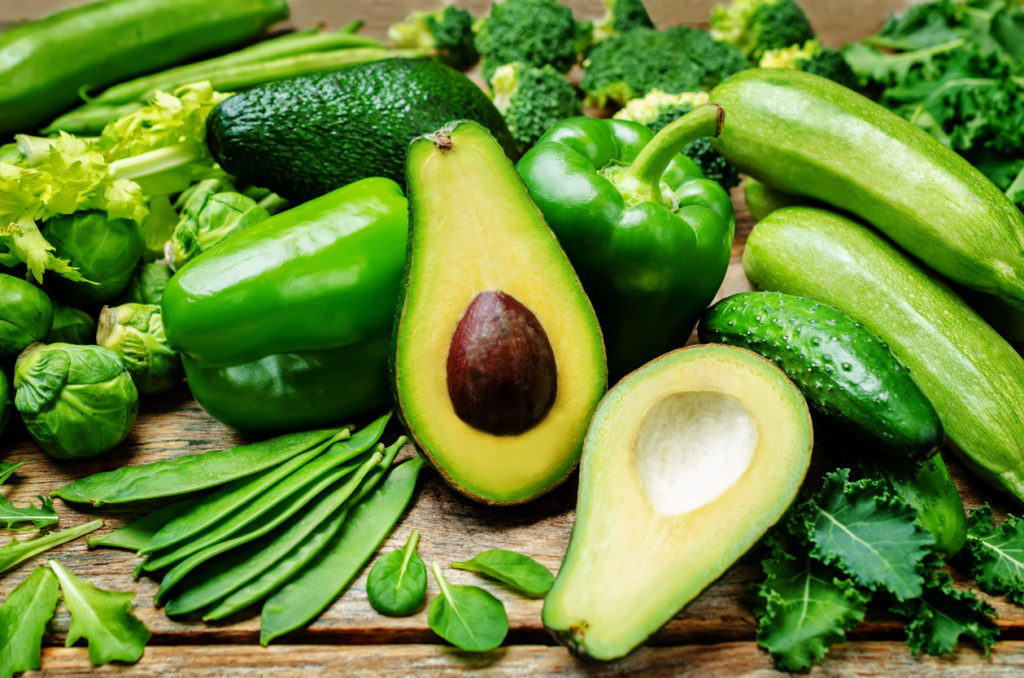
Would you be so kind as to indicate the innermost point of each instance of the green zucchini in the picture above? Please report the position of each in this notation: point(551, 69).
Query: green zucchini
point(972, 376)
point(846, 372)
point(762, 199)
point(806, 135)
point(44, 63)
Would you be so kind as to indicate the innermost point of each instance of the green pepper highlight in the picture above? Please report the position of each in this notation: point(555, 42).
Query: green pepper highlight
point(648, 235)
point(286, 324)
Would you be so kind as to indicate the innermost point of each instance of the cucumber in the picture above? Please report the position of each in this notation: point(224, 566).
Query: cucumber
point(806, 135)
point(971, 375)
point(846, 372)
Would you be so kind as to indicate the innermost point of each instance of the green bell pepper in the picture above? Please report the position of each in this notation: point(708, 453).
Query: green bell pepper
point(286, 324)
point(648, 235)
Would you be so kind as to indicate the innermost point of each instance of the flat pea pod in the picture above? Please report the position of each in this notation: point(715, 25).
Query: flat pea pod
point(286, 567)
point(303, 598)
point(191, 473)
point(972, 376)
point(276, 497)
point(236, 495)
point(44, 63)
point(276, 517)
point(136, 534)
point(26, 314)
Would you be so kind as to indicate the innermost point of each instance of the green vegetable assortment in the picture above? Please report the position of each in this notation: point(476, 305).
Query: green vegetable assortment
point(239, 224)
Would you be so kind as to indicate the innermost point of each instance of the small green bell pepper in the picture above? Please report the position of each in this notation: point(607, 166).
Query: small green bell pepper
point(286, 324)
point(648, 235)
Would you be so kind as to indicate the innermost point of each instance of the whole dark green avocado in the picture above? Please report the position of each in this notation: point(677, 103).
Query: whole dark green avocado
point(306, 136)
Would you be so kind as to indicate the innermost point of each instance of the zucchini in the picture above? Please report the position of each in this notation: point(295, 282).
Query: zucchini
point(846, 372)
point(806, 135)
point(762, 199)
point(44, 63)
point(971, 375)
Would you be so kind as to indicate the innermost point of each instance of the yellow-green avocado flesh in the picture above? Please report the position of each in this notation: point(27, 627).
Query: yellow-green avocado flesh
point(688, 461)
point(473, 230)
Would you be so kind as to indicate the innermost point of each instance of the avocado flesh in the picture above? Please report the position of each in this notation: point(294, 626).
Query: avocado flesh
point(638, 553)
point(474, 229)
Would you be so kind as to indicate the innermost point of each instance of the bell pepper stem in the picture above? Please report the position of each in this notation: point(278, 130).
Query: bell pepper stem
point(643, 178)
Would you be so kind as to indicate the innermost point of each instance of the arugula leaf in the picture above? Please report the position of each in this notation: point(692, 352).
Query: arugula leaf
point(805, 606)
point(943, 614)
point(23, 618)
point(995, 554)
point(467, 616)
point(868, 533)
point(7, 469)
point(14, 551)
point(522, 573)
point(41, 516)
point(103, 618)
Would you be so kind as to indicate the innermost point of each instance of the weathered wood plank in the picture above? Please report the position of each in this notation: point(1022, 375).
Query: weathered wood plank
point(695, 661)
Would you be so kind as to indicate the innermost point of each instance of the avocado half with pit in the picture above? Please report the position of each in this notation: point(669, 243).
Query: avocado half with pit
point(498, 360)
point(688, 461)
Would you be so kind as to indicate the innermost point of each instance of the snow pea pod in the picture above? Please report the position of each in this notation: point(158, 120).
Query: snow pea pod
point(291, 560)
point(276, 517)
point(137, 533)
point(235, 496)
point(369, 523)
point(264, 554)
point(193, 472)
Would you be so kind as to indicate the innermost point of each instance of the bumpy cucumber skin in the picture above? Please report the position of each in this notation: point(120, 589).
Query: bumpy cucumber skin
point(806, 135)
point(845, 371)
point(971, 375)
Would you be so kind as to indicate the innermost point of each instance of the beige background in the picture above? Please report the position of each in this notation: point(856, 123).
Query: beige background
point(836, 21)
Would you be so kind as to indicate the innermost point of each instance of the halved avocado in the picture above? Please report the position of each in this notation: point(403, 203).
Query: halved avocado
point(498, 361)
point(687, 462)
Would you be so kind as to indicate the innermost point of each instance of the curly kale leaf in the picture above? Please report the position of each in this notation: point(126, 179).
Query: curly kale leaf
point(868, 533)
point(803, 606)
point(943, 614)
point(995, 554)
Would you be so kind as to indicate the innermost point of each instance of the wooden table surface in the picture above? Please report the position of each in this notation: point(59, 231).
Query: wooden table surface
point(711, 637)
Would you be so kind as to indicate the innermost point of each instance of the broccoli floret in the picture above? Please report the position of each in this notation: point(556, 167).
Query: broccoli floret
point(813, 58)
point(532, 32)
point(448, 30)
point(622, 16)
point(532, 99)
point(658, 109)
point(756, 26)
point(680, 59)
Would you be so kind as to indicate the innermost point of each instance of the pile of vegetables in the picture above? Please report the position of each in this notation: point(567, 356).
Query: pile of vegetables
point(288, 325)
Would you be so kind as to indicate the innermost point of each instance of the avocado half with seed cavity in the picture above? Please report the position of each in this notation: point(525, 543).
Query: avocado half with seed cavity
point(498, 360)
point(687, 462)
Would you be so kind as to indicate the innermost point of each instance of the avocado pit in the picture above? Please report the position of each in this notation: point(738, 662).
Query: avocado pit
point(691, 447)
point(501, 372)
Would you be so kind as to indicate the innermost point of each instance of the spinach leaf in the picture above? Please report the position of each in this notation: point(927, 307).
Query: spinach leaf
point(14, 551)
point(467, 616)
point(23, 618)
point(514, 569)
point(191, 472)
point(397, 583)
point(103, 618)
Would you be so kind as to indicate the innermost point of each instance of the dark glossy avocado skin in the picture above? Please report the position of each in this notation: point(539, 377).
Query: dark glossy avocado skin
point(306, 136)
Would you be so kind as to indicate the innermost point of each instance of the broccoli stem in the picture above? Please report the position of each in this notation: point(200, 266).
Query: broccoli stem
point(643, 178)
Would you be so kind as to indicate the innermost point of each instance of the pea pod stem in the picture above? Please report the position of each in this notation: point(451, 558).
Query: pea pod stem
point(643, 178)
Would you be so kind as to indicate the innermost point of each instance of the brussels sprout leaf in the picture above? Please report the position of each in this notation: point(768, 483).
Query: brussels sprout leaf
point(23, 618)
point(514, 569)
point(103, 618)
point(467, 616)
point(870, 534)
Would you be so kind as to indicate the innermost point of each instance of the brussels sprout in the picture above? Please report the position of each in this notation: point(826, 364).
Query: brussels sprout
point(25, 315)
point(71, 326)
point(5, 402)
point(208, 218)
point(147, 285)
point(75, 400)
point(105, 251)
point(136, 333)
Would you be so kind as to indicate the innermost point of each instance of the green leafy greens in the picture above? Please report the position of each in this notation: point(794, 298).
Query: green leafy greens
point(995, 554)
point(397, 583)
point(23, 618)
point(514, 569)
point(14, 551)
point(12, 516)
point(468, 617)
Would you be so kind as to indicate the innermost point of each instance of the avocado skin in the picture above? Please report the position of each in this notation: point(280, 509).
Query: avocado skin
point(306, 136)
